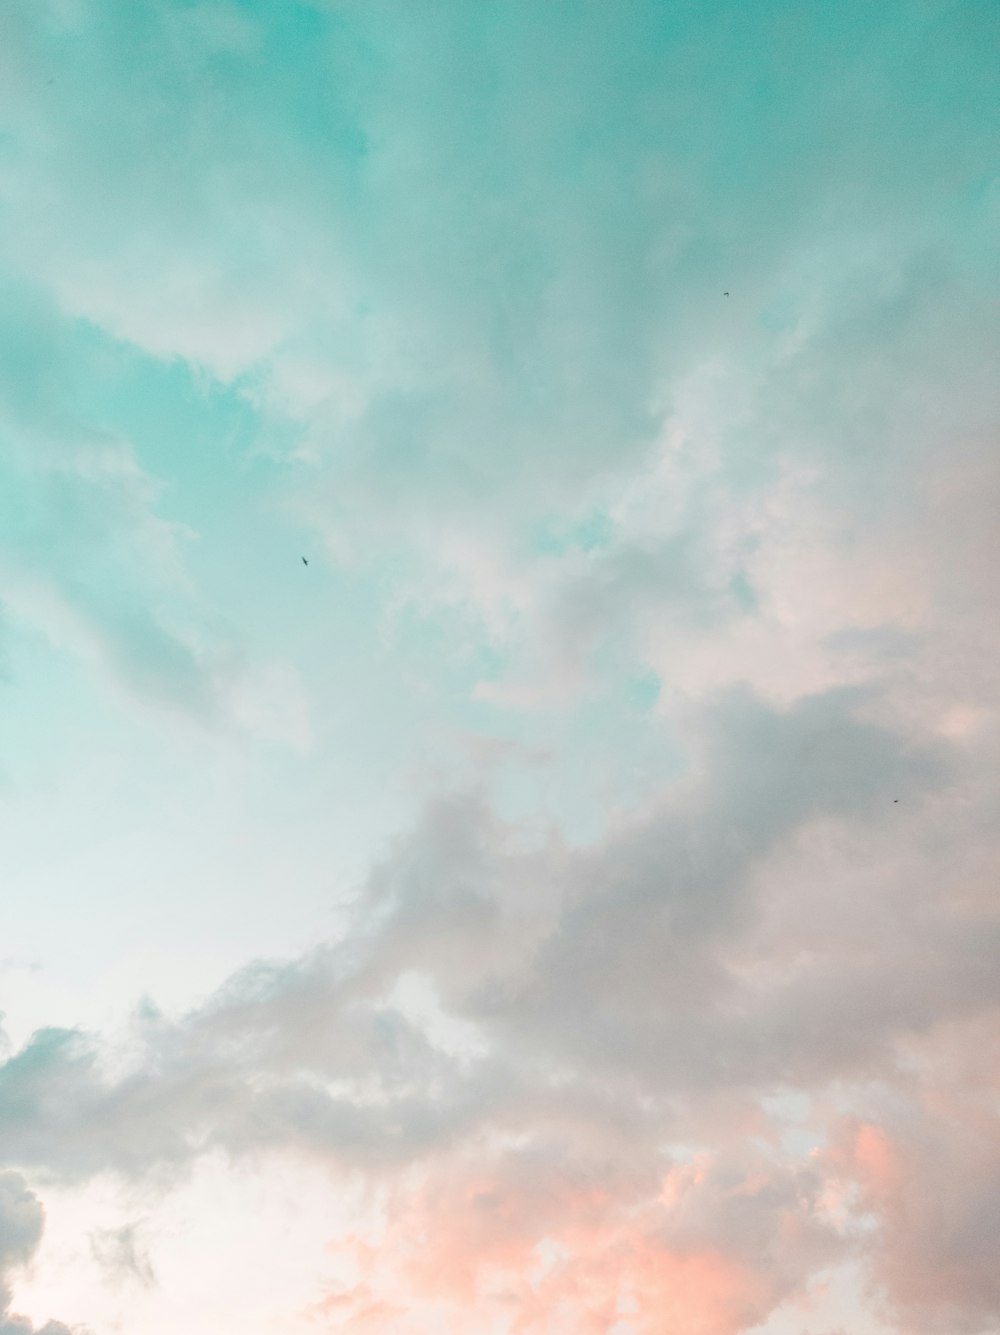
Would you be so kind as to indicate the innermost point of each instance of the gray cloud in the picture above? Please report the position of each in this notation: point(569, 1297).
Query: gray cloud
point(928, 1171)
point(122, 1255)
point(644, 991)
point(21, 1223)
point(622, 956)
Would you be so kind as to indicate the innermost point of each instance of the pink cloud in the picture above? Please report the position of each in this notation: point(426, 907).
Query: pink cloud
point(513, 1245)
point(928, 1175)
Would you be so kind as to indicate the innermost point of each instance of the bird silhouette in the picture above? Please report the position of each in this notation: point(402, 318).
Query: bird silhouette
point(304, 561)
point(725, 294)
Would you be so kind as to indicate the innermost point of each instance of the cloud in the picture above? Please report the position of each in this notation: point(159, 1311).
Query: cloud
point(122, 1256)
point(625, 999)
point(928, 1173)
point(88, 561)
point(566, 1243)
point(487, 324)
point(21, 1223)
point(464, 272)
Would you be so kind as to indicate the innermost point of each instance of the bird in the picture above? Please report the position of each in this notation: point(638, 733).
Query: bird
point(725, 294)
point(895, 800)
point(304, 561)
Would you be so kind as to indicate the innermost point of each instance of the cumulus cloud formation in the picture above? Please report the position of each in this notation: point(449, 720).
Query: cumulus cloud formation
point(626, 375)
point(21, 1222)
point(625, 1001)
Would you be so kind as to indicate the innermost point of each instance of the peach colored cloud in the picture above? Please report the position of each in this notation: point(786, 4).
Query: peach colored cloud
point(927, 1176)
point(512, 1245)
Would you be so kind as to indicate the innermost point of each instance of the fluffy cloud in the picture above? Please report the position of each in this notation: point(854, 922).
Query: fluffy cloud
point(571, 1244)
point(21, 1222)
point(928, 1179)
point(650, 991)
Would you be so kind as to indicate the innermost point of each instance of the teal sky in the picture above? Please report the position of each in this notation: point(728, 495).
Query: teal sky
point(567, 903)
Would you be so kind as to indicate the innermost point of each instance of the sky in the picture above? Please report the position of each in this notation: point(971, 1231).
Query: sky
point(499, 718)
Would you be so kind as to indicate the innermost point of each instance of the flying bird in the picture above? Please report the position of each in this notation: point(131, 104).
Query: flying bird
point(725, 294)
point(304, 561)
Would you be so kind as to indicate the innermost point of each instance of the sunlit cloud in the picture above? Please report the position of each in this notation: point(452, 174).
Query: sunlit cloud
point(498, 638)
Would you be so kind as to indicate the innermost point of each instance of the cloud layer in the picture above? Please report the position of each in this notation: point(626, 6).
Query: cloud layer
point(627, 375)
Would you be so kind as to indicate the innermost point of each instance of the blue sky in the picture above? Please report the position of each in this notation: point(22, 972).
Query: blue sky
point(568, 902)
